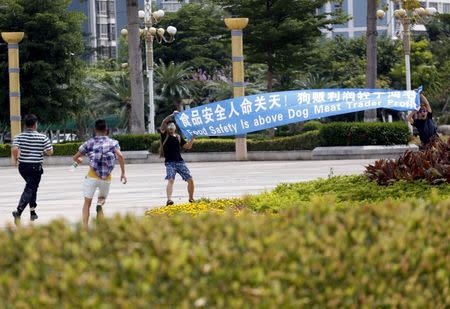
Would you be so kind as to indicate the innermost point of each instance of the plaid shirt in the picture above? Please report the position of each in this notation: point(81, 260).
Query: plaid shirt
point(101, 153)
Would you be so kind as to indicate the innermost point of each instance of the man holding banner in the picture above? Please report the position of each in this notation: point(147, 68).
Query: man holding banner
point(171, 145)
point(423, 121)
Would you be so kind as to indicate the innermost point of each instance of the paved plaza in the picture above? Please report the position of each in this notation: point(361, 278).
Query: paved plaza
point(60, 192)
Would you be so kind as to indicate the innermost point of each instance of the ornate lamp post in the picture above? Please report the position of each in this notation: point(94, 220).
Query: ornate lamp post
point(13, 39)
point(407, 15)
point(150, 33)
point(236, 25)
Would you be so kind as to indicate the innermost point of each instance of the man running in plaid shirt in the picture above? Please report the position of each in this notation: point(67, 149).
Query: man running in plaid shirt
point(102, 152)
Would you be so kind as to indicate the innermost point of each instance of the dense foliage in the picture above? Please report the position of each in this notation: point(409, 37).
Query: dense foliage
point(136, 141)
point(360, 133)
point(387, 254)
point(431, 164)
point(281, 32)
point(341, 191)
point(50, 57)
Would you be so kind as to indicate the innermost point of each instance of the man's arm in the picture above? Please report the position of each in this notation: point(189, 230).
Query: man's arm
point(15, 154)
point(77, 157)
point(121, 158)
point(189, 144)
point(411, 117)
point(164, 123)
point(424, 102)
point(48, 148)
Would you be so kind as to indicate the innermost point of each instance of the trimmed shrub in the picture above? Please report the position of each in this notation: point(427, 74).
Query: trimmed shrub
point(5, 150)
point(136, 141)
point(312, 125)
point(342, 191)
point(313, 257)
point(306, 141)
point(67, 149)
point(360, 133)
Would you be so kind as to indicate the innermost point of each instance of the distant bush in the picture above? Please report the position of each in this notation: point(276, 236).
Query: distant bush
point(130, 142)
point(306, 141)
point(5, 150)
point(361, 133)
point(312, 125)
point(67, 149)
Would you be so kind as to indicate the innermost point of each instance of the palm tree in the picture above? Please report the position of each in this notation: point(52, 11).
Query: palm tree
point(315, 81)
point(173, 83)
point(113, 95)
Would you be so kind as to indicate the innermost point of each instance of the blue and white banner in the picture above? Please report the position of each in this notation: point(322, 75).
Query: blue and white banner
point(247, 114)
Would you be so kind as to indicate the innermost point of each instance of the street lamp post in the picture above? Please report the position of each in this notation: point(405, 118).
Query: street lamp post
point(13, 39)
point(151, 33)
point(236, 25)
point(406, 18)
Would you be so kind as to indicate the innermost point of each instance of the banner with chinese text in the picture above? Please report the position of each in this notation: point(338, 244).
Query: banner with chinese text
point(247, 114)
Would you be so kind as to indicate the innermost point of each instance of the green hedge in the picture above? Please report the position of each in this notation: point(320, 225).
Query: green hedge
point(360, 133)
point(312, 125)
point(66, 149)
point(310, 257)
point(136, 141)
point(5, 150)
point(306, 141)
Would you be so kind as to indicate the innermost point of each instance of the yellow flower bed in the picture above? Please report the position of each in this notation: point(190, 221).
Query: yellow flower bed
point(200, 207)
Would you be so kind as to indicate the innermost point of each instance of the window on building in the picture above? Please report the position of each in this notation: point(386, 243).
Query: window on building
point(433, 5)
point(112, 33)
point(101, 7)
point(111, 9)
point(446, 8)
point(102, 31)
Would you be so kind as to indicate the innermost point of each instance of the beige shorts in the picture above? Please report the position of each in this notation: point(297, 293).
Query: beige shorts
point(91, 185)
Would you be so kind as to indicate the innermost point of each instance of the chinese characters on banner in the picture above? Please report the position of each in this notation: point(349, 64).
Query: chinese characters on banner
point(263, 111)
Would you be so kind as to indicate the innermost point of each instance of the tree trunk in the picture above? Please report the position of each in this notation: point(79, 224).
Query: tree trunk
point(137, 125)
point(371, 53)
point(270, 132)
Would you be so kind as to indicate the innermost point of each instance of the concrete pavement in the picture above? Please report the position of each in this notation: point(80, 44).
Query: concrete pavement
point(60, 192)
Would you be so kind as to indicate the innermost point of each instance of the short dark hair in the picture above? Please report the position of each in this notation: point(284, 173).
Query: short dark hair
point(30, 120)
point(100, 125)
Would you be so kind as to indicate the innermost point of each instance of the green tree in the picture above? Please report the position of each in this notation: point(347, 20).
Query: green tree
point(51, 68)
point(439, 34)
point(202, 38)
point(280, 33)
point(113, 96)
point(423, 69)
point(173, 83)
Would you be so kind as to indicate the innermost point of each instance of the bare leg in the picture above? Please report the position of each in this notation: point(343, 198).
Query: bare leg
point(190, 188)
point(100, 203)
point(86, 207)
point(169, 188)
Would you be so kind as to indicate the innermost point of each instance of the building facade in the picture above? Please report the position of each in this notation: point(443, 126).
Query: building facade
point(357, 9)
point(99, 29)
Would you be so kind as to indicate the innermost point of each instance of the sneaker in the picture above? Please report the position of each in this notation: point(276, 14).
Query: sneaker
point(169, 202)
point(33, 216)
point(191, 200)
point(16, 216)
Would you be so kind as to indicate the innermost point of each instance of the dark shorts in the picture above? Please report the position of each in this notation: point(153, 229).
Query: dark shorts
point(172, 168)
